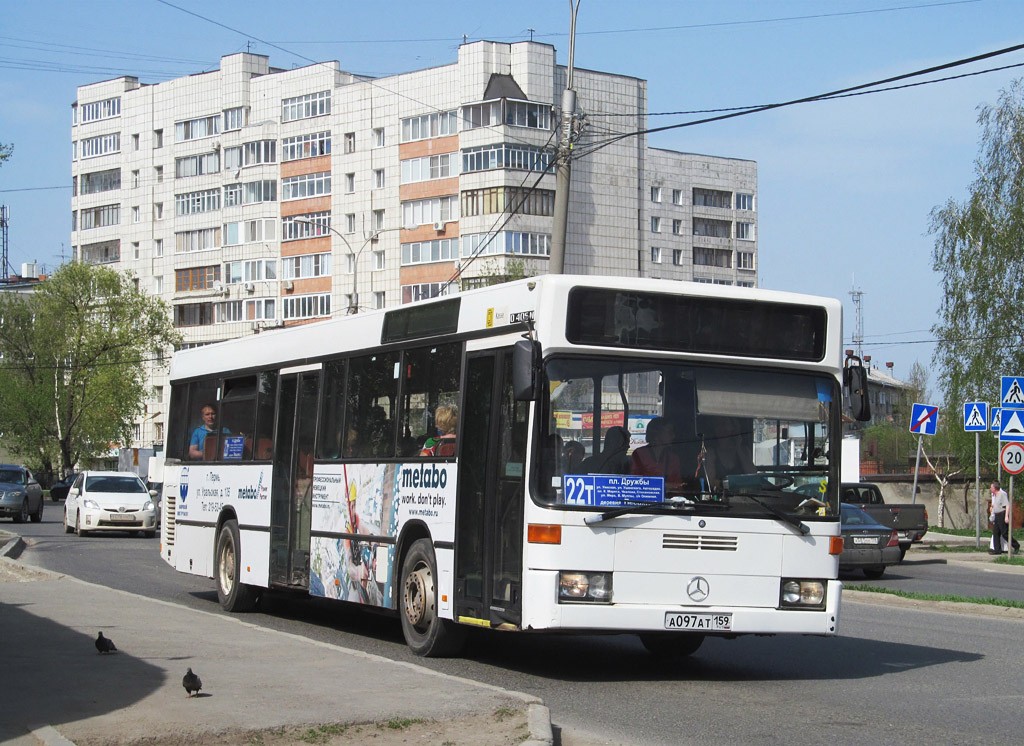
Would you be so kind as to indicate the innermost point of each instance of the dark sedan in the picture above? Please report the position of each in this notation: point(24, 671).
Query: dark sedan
point(59, 490)
point(867, 545)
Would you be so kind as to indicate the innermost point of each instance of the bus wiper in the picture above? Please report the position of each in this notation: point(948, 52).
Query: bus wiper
point(780, 515)
point(646, 507)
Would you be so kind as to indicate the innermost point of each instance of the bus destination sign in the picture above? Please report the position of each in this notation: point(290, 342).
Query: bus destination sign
point(604, 490)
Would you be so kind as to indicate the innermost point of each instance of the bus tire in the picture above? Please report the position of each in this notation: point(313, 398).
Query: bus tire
point(672, 644)
point(233, 594)
point(425, 632)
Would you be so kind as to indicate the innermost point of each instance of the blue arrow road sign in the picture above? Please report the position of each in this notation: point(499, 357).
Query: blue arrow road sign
point(996, 419)
point(976, 416)
point(923, 419)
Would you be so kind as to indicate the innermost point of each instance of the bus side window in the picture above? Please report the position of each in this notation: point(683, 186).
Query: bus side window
point(331, 442)
point(371, 402)
point(432, 376)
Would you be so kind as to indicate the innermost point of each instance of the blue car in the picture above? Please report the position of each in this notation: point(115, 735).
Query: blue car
point(21, 496)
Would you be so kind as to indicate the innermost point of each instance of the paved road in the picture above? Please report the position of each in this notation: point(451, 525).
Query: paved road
point(894, 674)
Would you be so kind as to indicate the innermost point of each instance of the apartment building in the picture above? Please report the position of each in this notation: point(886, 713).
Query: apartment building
point(252, 197)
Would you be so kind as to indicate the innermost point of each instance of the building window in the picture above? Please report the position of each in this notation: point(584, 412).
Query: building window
point(655, 194)
point(712, 228)
point(307, 265)
point(233, 159)
point(500, 155)
point(711, 198)
point(424, 290)
point(378, 260)
point(93, 147)
point(158, 247)
point(261, 309)
point(250, 231)
point(198, 240)
point(229, 311)
point(656, 255)
point(528, 114)
point(378, 178)
point(232, 195)
point(350, 222)
point(99, 217)
point(135, 142)
point(306, 185)
point(706, 257)
point(158, 172)
point(677, 227)
point(744, 201)
point(745, 231)
point(236, 118)
point(677, 257)
point(193, 203)
point(377, 222)
point(305, 107)
point(516, 200)
point(677, 196)
point(305, 146)
point(158, 211)
point(486, 114)
point(136, 250)
point(252, 270)
point(350, 183)
point(158, 139)
point(195, 129)
point(378, 137)
point(196, 278)
point(430, 167)
point(310, 225)
point(429, 211)
point(136, 216)
point(350, 142)
point(378, 299)
point(655, 224)
point(260, 191)
point(193, 314)
point(744, 260)
point(135, 179)
point(102, 252)
point(195, 165)
point(101, 181)
point(512, 242)
point(426, 126)
point(158, 284)
point(425, 252)
point(97, 110)
point(306, 306)
point(258, 152)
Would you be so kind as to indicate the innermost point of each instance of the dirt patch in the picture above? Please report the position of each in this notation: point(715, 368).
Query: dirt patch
point(503, 727)
point(12, 572)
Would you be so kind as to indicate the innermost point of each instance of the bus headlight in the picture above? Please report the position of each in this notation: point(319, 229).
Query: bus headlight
point(802, 594)
point(585, 587)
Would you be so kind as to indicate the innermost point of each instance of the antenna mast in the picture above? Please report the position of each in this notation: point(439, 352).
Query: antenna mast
point(858, 329)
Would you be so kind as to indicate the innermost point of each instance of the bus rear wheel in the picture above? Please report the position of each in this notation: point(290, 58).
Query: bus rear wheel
point(672, 644)
point(425, 632)
point(233, 594)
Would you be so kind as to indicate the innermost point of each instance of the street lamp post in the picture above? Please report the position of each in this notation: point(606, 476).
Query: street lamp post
point(353, 305)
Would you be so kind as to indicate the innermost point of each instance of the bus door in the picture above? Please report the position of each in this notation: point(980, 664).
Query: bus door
point(489, 522)
point(291, 498)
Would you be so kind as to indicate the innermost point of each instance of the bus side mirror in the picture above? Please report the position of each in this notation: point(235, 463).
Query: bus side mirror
point(857, 387)
point(525, 369)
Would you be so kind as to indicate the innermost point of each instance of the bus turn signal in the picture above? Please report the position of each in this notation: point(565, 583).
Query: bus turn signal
point(541, 533)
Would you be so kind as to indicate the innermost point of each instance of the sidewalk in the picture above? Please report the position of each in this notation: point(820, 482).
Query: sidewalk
point(57, 687)
point(932, 541)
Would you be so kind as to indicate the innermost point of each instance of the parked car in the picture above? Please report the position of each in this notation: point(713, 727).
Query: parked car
point(59, 490)
point(21, 496)
point(909, 520)
point(109, 501)
point(867, 544)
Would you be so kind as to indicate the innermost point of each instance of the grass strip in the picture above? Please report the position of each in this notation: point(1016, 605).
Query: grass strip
point(987, 601)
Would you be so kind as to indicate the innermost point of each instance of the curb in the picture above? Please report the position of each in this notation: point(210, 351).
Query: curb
point(538, 717)
point(11, 545)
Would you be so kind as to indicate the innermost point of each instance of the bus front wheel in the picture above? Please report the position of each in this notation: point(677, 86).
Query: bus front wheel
point(233, 594)
point(425, 632)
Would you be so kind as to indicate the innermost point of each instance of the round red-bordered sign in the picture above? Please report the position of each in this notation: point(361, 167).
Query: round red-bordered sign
point(1011, 458)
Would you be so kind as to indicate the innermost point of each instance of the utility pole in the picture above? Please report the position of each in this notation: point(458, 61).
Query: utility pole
point(562, 158)
point(858, 329)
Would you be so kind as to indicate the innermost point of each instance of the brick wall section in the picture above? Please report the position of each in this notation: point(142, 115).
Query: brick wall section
point(303, 206)
point(417, 273)
point(306, 166)
point(421, 148)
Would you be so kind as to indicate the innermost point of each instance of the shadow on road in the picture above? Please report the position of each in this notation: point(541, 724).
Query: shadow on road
point(53, 675)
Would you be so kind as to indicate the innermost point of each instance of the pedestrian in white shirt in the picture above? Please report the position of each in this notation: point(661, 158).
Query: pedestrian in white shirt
point(1001, 520)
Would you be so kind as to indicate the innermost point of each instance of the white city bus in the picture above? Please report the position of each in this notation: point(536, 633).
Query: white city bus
point(551, 512)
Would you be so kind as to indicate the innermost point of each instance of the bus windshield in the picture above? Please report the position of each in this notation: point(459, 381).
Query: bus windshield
point(750, 441)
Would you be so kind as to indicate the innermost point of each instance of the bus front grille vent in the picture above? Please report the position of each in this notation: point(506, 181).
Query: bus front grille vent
point(712, 543)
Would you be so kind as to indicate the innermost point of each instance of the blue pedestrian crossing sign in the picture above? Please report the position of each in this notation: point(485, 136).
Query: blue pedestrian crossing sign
point(1012, 392)
point(924, 418)
point(997, 418)
point(976, 416)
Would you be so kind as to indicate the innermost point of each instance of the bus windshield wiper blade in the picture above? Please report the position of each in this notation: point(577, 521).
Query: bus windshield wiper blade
point(780, 515)
point(641, 508)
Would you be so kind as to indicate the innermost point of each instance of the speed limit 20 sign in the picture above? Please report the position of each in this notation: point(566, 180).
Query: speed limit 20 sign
point(1011, 458)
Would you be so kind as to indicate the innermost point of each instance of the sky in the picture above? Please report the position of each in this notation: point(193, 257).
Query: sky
point(845, 187)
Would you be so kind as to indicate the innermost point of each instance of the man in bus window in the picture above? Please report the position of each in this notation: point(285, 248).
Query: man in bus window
point(209, 427)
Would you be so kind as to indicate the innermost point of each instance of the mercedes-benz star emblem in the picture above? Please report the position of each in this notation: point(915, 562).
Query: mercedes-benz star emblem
point(698, 589)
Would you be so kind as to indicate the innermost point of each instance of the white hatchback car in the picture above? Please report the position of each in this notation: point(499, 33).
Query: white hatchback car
point(109, 501)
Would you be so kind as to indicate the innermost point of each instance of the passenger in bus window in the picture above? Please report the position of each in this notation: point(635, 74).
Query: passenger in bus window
point(574, 453)
point(209, 427)
point(612, 459)
point(446, 418)
point(729, 450)
point(657, 459)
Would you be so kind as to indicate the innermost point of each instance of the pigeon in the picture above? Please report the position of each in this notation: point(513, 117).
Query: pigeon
point(105, 644)
point(191, 682)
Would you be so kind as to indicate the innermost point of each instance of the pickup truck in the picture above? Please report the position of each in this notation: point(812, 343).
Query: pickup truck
point(910, 521)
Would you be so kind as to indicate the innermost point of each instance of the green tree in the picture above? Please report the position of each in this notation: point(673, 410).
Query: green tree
point(5, 152)
point(979, 254)
point(74, 360)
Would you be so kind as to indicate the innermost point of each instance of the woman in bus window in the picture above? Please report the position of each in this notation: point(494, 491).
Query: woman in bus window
point(446, 418)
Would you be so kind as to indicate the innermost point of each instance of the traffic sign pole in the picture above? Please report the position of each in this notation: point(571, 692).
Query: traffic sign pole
point(917, 466)
point(1009, 523)
point(977, 490)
